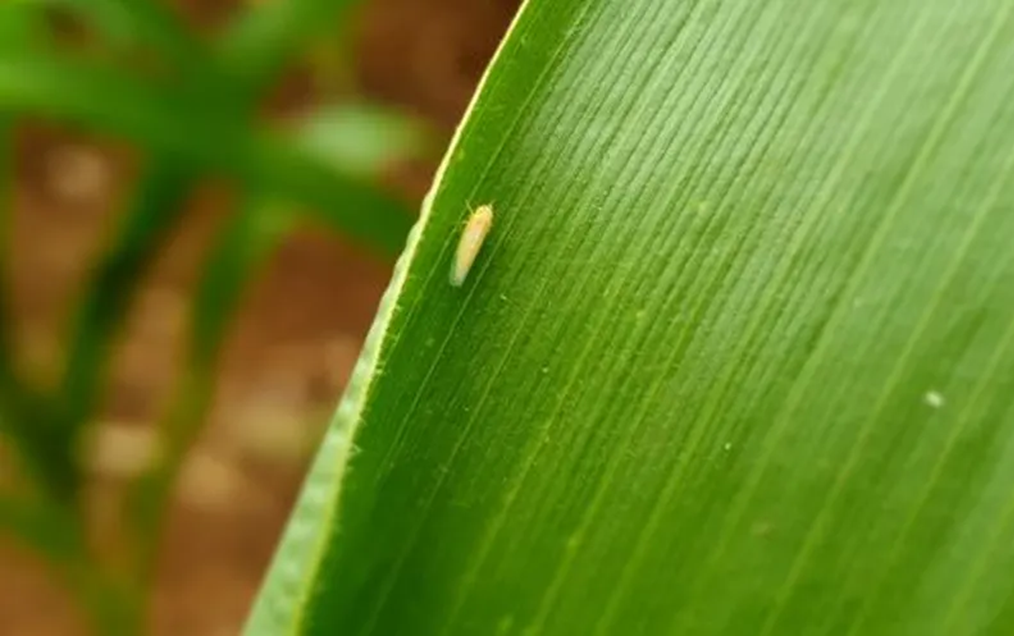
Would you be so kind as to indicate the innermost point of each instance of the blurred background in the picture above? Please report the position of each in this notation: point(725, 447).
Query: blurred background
point(287, 350)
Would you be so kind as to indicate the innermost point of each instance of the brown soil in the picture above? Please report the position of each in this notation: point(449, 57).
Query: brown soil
point(287, 359)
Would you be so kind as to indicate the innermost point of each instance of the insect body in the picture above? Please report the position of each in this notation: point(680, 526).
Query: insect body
point(476, 229)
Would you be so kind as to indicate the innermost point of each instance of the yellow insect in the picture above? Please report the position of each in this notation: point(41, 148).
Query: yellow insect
point(476, 228)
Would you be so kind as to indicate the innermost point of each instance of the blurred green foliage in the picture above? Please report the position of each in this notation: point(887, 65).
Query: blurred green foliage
point(190, 104)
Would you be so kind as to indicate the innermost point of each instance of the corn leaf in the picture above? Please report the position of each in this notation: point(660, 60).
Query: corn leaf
point(737, 356)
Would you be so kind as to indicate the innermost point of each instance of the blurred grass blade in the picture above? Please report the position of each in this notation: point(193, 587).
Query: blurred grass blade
point(27, 423)
point(46, 530)
point(109, 18)
point(363, 139)
point(21, 25)
point(262, 39)
point(203, 136)
point(736, 358)
point(149, 23)
point(241, 247)
point(154, 213)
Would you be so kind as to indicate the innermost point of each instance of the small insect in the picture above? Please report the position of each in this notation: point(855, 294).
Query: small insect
point(476, 228)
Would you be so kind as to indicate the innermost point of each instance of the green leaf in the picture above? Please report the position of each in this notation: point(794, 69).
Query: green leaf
point(240, 249)
point(47, 529)
point(20, 25)
point(149, 23)
point(737, 356)
point(204, 134)
point(110, 18)
point(363, 139)
point(262, 39)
